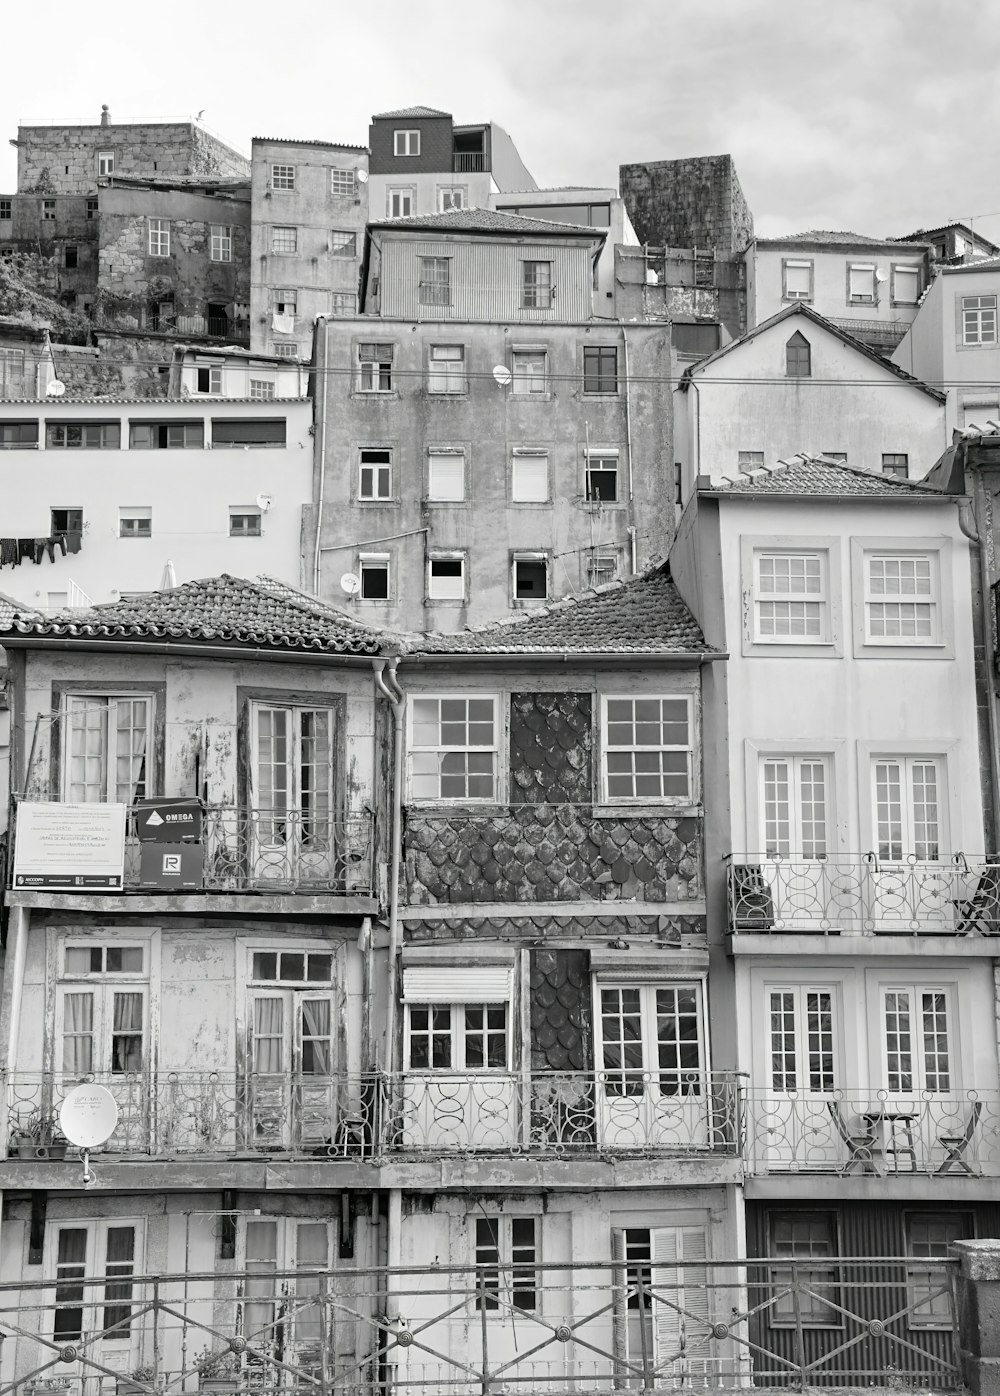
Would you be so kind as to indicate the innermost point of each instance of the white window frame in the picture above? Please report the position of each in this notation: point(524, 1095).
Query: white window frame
point(108, 703)
point(905, 270)
point(284, 240)
point(405, 141)
point(343, 303)
point(515, 1274)
point(615, 1079)
point(375, 370)
point(398, 194)
point(102, 988)
point(94, 1301)
point(602, 568)
point(936, 551)
point(908, 846)
point(105, 163)
point(796, 845)
point(381, 470)
point(343, 242)
point(262, 389)
point(282, 177)
point(861, 274)
point(284, 300)
point(220, 240)
point(253, 518)
point(523, 555)
point(796, 264)
point(537, 293)
point(528, 378)
point(812, 552)
point(815, 1066)
point(135, 521)
point(214, 371)
point(977, 321)
point(450, 588)
point(452, 197)
point(927, 1312)
point(531, 484)
point(452, 456)
point(690, 797)
point(441, 749)
point(749, 460)
point(284, 350)
point(434, 281)
point(446, 373)
point(601, 459)
point(347, 181)
point(900, 587)
point(456, 1034)
point(158, 237)
point(920, 1048)
point(375, 562)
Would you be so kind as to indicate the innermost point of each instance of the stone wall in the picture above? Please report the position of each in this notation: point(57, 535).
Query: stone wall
point(688, 203)
point(63, 159)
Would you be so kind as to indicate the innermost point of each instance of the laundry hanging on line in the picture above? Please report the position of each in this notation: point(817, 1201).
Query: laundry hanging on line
point(14, 551)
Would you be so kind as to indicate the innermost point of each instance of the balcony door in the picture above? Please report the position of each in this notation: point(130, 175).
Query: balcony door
point(794, 1124)
point(106, 747)
point(291, 1085)
point(103, 1035)
point(97, 1317)
point(912, 882)
point(282, 1318)
point(291, 796)
point(794, 812)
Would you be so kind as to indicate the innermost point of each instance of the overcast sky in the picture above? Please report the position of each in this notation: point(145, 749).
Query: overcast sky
point(879, 116)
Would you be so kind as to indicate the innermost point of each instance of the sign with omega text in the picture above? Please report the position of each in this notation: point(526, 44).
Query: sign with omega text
point(77, 848)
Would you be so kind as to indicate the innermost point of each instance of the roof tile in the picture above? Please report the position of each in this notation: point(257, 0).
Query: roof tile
point(486, 220)
point(818, 475)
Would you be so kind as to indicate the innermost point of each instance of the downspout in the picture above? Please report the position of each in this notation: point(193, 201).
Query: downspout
point(696, 434)
point(319, 388)
point(387, 683)
point(633, 550)
point(968, 522)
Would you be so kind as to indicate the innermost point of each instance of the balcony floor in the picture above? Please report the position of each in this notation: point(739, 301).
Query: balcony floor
point(198, 903)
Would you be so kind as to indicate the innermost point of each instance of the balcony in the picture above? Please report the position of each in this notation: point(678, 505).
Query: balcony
point(874, 1132)
point(861, 894)
point(177, 326)
point(470, 162)
point(171, 1113)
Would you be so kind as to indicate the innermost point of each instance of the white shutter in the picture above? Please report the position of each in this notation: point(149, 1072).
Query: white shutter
point(451, 984)
point(619, 1305)
point(680, 1298)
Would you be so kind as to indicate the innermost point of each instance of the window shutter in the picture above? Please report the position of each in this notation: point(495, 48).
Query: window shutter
point(452, 984)
point(680, 1297)
point(619, 1305)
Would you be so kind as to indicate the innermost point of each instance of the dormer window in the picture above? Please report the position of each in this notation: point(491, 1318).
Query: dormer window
point(798, 357)
point(406, 142)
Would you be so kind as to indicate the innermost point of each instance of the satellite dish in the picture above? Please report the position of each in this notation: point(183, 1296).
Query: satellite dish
point(55, 388)
point(880, 275)
point(88, 1116)
point(263, 502)
point(350, 583)
point(503, 375)
point(362, 176)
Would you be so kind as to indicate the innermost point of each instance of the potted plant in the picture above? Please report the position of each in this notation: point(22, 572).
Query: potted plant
point(217, 1371)
point(37, 1135)
point(138, 1381)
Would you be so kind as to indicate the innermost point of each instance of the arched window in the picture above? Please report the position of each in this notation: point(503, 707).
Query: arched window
point(798, 357)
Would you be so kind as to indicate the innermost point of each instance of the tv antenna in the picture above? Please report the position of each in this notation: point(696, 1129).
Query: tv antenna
point(88, 1117)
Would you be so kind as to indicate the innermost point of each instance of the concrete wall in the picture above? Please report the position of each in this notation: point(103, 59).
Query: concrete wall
point(830, 265)
point(696, 202)
point(970, 374)
point(63, 159)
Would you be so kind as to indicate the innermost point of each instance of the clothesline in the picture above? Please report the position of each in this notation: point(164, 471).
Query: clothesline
point(13, 551)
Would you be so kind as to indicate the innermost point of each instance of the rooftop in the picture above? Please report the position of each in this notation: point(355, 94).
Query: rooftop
point(837, 238)
point(318, 145)
point(485, 220)
point(410, 111)
point(818, 475)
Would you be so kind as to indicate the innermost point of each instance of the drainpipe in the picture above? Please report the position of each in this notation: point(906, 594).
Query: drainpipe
point(975, 530)
point(320, 391)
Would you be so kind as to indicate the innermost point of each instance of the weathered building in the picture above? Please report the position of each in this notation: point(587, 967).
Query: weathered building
point(310, 207)
point(695, 202)
point(585, 207)
point(486, 445)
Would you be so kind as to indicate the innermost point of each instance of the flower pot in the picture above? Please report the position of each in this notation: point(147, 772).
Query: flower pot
point(221, 1386)
point(30, 1148)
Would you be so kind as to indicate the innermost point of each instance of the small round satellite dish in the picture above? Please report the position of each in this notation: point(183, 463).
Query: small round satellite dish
point(503, 375)
point(351, 583)
point(88, 1116)
point(263, 502)
point(362, 176)
point(55, 388)
point(880, 275)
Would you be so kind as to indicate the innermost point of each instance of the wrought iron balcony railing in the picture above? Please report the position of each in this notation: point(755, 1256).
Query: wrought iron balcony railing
point(166, 1113)
point(876, 1132)
point(337, 1330)
point(862, 893)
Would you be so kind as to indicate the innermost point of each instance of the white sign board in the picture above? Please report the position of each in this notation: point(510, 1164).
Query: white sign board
point(73, 847)
point(88, 1115)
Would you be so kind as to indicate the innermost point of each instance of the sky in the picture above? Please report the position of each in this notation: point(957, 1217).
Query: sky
point(878, 116)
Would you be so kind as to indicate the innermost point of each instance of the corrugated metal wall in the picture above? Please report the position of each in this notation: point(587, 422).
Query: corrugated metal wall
point(486, 280)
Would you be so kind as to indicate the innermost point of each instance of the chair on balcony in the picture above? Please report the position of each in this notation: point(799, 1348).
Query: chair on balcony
point(750, 898)
point(981, 911)
point(956, 1144)
point(861, 1148)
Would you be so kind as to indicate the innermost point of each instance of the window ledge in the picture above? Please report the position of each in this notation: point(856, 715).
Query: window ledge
point(648, 809)
point(366, 394)
point(446, 601)
point(611, 393)
point(391, 502)
point(531, 397)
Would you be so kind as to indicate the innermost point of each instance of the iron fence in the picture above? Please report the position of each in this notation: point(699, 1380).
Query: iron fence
point(883, 1323)
point(863, 893)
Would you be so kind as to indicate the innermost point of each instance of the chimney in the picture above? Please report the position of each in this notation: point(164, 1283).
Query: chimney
point(105, 115)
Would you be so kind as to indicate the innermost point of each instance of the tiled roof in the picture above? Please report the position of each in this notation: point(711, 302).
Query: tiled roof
point(645, 616)
point(216, 609)
point(409, 111)
point(833, 236)
point(977, 264)
point(291, 140)
point(817, 475)
point(487, 220)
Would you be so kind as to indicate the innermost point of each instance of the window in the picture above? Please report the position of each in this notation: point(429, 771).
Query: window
point(901, 601)
point(917, 1049)
point(374, 570)
point(135, 521)
point(445, 476)
point(928, 1236)
point(507, 1253)
point(257, 431)
point(282, 176)
point(375, 473)
point(602, 568)
point(600, 369)
point(839, 456)
point(979, 319)
point(538, 292)
point(446, 577)
point(798, 279)
point(793, 799)
point(446, 369)
point(159, 237)
point(343, 243)
point(284, 301)
point(70, 256)
point(65, 520)
point(97, 1248)
point(291, 967)
point(291, 750)
point(602, 476)
point(107, 739)
point(896, 463)
point(651, 1039)
point(262, 389)
point(861, 284)
point(13, 380)
point(399, 202)
point(105, 163)
point(802, 1048)
point(152, 436)
point(791, 604)
point(375, 365)
point(7, 210)
point(343, 183)
point(343, 303)
point(92, 208)
point(529, 368)
point(406, 142)
point(906, 809)
point(806, 1294)
point(453, 748)
point(434, 284)
point(285, 351)
point(452, 196)
point(530, 576)
point(905, 285)
point(647, 749)
point(83, 436)
point(694, 341)
point(284, 239)
point(220, 242)
point(209, 378)
point(103, 959)
point(749, 460)
point(529, 481)
point(48, 210)
point(244, 523)
point(457, 1037)
point(798, 357)
point(18, 434)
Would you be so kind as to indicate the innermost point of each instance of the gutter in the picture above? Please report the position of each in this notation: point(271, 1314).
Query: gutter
point(320, 398)
point(686, 658)
point(77, 644)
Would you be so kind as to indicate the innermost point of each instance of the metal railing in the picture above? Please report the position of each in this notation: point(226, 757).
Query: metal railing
point(470, 162)
point(198, 326)
point(367, 1115)
point(873, 1131)
point(442, 1330)
point(864, 894)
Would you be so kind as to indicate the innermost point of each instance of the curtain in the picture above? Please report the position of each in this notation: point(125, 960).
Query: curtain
point(268, 1036)
point(78, 1037)
point(126, 1033)
point(316, 1037)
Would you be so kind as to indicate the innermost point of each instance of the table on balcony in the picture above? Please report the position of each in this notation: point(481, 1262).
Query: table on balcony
point(898, 1133)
